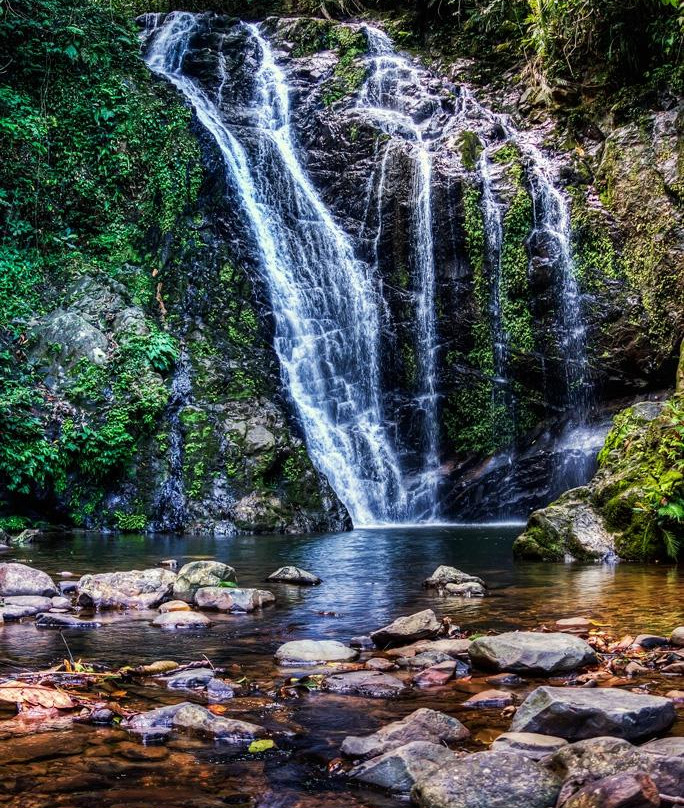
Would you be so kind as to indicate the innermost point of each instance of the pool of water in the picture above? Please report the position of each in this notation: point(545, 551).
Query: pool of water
point(370, 577)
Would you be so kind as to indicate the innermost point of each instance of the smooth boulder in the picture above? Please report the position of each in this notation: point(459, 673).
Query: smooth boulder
point(623, 790)
point(181, 620)
point(198, 574)
point(294, 575)
point(419, 626)
point(196, 718)
point(530, 744)
point(400, 769)
point(578, 713)
point(228, 599)
point(372, 684)
point(20, 579)
point(134, 589)
point(444, 575)
point(311, 652)
point(420, 725)
point(189, 679)
point(488, 780)
point(531, 652)
point(63, 621)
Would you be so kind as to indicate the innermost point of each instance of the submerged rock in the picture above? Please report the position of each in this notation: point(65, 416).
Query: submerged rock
point(420, 725)
point(489, 698)
point(576, 713)
point(294, 575)
point(229, 599)
point(470, 589)
point(135, 589)
point(444, 575)
point(531, 652)
point(310, 652)
point(196, 718)
point(219, 691)
point(373, 684)
point(197, 574)
point(488, 780)
point(399, 769)
point(20, 579)
point(189, 679)
point(418, 626)
point(62, 621)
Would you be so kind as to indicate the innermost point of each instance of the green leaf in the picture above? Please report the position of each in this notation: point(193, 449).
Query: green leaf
point(261, 746)
point(227, 585)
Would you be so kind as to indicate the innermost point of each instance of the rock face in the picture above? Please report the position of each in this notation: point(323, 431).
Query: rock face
point(488, 780)
point(310, 652)
point(421, 725)
point(19, 579)
point(576, 713)
point(531, 652)
point(224, 599)
point(197, 574)
point(137, 589)
point(294, 575)
point(400, 769)
point(419, 626)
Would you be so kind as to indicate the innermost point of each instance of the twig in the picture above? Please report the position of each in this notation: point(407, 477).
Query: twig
point(673, 800)
point(73, 661)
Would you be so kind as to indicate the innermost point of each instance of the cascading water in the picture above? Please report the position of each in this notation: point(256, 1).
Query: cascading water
point(325, 306)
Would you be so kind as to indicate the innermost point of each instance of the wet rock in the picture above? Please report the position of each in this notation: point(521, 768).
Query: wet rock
point(310, 652)
point(36, 602)
point(373, 684)
point(650, 641)
point(440, 674)
point(672, 747)
point(25, 537)
point(677, 696)
point(19, 579)
point(42, 746)
point(174, 606)
point(136, 751)
point(674, 667)
point(197, 574)
point(531, 744)
point(11, 613)
point(59, 602)
point(488, 780)
point(228, 599)
point(677, 637)
point(505, 680)
point(444, 575)
point(635, 669)
point(294, 575)
point(380, 664)
point(595, 758)
point(62, 621)
point(193, 717)
point(471, 589)
point(68, 586)
point(624, 790)
point(576, 713)
point(135, 589)
point(423, 660)
point(364, 642)
point(489, 698)
point(181, 620)
point(418, 626)
point(219, 691)
point(454, 648)
point(530, 652)
point(420, 725)
point(189, 679)
point(574, 625)
point(399, 769)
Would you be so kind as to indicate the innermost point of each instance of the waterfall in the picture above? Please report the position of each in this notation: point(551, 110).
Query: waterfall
point(323, 298)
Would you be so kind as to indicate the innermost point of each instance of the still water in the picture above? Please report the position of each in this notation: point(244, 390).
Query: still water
point(369, 578)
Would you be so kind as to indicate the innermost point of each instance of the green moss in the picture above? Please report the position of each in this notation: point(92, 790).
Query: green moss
point(350, 72)
point(130, 522)
point(200, 451)
point(470, 147)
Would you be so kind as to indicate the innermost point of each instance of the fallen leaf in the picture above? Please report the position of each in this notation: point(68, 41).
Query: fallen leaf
point(34, 695)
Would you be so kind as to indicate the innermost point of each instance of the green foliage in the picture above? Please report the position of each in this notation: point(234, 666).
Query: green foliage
point(130, 522)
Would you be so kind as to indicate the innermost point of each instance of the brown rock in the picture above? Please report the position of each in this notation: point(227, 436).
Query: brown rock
point(380, 664)
point(436, 675)
point(489, 698)
point(624, 790)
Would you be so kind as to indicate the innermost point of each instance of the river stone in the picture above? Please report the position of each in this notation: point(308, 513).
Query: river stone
point(489, 698)
point(454, 648)
point(439, 674)
point(62, 621)
point(373, 684)
point(420, 725)
point(59, 602)
point(444, 575)
point(624, 790)
point(531, 652)
point(10, 613)
point(380, 664)
point(134, 589)
point(310, 652)
point(531, 744)
point(649, 641)
point(419, 626)
point(174, 606)
point(294, 575)
point(181, 620)
point(488, 780)
point(33, 601)
point(197, 574)
point(471, 589)
point(219, 691)
point(677, 637)
point(672, 747)
point(224, 599)
point(423, 660)
point(189, 679)
point(199, 719)
point(577, 713)
point(19, 579)
point(399, 769)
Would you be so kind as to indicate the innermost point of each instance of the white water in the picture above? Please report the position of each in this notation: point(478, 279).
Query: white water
point(324, 302)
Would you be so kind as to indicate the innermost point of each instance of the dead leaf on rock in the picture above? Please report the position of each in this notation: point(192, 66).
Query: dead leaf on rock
point(28, 695)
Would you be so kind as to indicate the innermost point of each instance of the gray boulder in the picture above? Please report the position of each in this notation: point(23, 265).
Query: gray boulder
point(677, 636)
point(577, 713)
point(421, 725)
point(373, 684)
point(228, 599)
point(423, 660)
point(196, 718)
point(531, 744)
point(400, 769)
point(489, 780)
point(419, 626)
point(531, 652)
point(135, 589)
point(189, 679)
point(19, 579)
point(32, 601)
point(181, 620)
point(219, 691)
point(198, 574)
point(311, 652)
point(294, 575)
point(470, 589)
point(444, 575)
